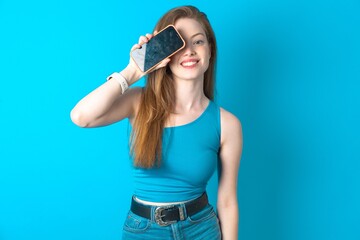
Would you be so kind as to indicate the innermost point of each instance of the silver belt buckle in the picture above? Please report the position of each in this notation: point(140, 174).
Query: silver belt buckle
point(159, 215)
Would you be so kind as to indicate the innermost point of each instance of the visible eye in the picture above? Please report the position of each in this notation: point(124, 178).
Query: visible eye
point(199, 42)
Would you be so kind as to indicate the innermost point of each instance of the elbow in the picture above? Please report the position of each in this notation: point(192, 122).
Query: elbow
point(227, 202)
point(227, 208)
point(78, 119)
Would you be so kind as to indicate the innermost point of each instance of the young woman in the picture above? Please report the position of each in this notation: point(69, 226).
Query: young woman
point(179, 135)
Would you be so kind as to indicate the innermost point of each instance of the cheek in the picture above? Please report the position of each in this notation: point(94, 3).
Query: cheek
point(172, 65)
point(206, 65)
point(173, 60)
point(208, 53)
point(173, 68)
point(207, 59)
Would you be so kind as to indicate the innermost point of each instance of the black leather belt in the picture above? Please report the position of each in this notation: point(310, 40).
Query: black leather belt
point(166, 215)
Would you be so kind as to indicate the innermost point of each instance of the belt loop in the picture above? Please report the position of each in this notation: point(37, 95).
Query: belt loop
point(152, 212)
point(182, 211)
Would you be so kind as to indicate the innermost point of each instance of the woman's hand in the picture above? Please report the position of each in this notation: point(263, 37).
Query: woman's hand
point(132, 72)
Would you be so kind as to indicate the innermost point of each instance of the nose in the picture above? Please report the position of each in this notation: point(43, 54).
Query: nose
point(189, 49)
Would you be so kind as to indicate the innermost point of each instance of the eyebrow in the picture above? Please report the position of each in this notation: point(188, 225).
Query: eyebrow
point(197, 34)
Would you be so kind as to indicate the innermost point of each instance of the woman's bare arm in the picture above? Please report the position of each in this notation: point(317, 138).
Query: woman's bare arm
point(106, 104)
point(230, 153)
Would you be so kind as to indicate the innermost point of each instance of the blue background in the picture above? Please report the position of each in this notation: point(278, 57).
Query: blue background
point(289, 70)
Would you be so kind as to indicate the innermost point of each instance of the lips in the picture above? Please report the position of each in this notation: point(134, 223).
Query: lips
point(189, 62)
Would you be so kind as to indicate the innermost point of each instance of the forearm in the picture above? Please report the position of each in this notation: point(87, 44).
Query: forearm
point(229, 219)
point(95, 103)
point(99, 101)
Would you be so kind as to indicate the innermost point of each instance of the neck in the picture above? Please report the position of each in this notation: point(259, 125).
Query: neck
point(189, 95)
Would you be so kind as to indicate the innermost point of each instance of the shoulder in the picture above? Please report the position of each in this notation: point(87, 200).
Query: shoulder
point(229, 120)
point(230, 125)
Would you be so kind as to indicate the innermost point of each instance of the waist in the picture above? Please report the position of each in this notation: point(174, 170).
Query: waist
point(171, 212)
point(160, 203)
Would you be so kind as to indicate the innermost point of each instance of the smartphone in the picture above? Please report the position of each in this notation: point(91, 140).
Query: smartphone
point(164, 44)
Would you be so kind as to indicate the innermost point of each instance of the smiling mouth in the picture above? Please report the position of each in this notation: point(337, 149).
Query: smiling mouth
point(189, 63)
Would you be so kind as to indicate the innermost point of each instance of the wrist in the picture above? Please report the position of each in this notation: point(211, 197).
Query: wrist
point(131, 74)
point(121, 80)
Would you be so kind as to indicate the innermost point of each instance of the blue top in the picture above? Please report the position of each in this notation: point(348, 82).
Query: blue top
point(189, 159)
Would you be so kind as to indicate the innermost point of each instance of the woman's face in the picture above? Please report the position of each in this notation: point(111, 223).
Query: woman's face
point(193, 60)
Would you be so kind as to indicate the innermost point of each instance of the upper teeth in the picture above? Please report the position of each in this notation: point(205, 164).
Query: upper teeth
point(186, 64)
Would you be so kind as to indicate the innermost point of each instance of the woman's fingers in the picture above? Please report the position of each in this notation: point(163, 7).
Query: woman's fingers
point(142, 40)
point(135, 46)
point(163, 63)
point(149, 36)
point(145, 39)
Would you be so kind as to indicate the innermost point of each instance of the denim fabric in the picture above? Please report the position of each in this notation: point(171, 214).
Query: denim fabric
point(201, 226)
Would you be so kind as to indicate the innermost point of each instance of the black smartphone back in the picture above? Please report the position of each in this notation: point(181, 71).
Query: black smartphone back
point(163, 45)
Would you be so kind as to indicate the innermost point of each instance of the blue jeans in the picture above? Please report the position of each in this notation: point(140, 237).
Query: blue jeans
point(200, 226)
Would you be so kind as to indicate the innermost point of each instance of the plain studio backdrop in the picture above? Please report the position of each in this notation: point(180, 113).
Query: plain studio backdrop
point(289, 70)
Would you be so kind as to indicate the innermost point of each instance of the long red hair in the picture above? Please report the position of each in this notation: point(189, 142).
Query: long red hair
point(158, 95)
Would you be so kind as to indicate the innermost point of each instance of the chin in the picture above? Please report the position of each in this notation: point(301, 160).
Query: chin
point(189, 75)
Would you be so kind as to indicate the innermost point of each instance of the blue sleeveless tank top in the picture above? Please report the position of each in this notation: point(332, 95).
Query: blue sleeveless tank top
point(190, 155)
